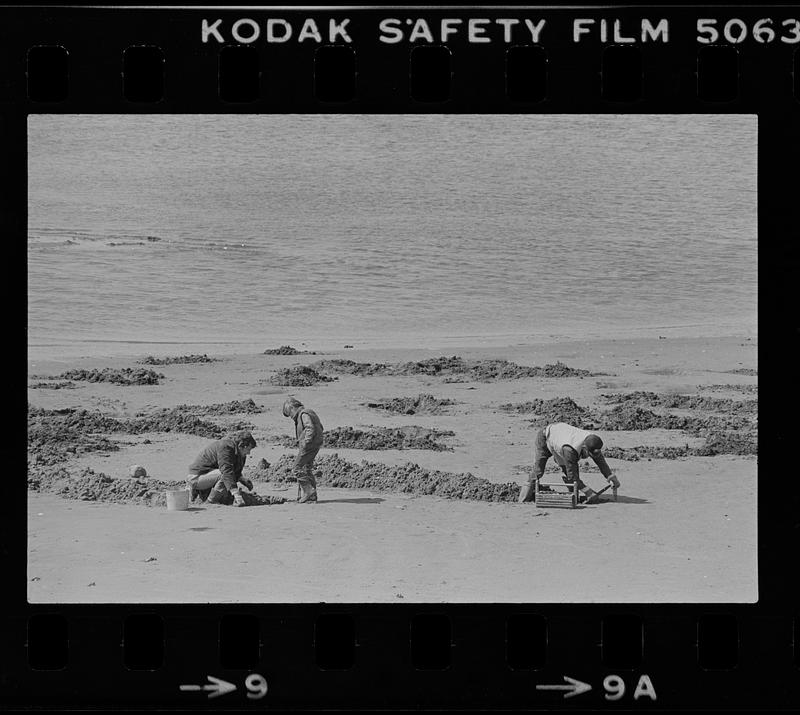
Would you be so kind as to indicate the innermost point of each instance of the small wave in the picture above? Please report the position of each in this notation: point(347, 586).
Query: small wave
point(50, 236)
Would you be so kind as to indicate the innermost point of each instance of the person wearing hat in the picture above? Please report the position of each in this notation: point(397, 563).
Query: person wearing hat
point(216, 473)
point(566, 445)
point(308, 429)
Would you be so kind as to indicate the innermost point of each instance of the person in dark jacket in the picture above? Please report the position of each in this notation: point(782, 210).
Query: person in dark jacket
point(566, 445)
point(217, 471)
point(308, 429)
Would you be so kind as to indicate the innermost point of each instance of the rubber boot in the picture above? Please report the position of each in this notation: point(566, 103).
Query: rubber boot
point(526, 493)
point(218, 494)
point(308, 485)
point(589, 495)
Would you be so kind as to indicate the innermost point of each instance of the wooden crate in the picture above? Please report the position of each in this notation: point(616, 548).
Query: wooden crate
point(559, 495)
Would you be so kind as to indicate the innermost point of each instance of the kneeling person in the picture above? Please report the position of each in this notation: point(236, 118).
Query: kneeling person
point(566, 444)
point(218, 469)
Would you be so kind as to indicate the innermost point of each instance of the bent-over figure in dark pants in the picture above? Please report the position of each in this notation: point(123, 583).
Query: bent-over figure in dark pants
point(566, 444)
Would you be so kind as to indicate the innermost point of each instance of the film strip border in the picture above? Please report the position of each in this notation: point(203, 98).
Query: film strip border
point(72, 60)
point(410, 60)
point(406, 656)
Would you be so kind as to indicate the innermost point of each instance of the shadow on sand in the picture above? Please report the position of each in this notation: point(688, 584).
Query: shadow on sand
point(623, 500)
point(358, 500)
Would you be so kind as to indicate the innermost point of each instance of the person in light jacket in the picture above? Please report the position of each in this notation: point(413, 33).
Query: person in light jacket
point(566, 445)
point(308, 429)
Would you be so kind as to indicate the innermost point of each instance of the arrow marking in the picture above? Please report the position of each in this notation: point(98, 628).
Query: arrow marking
point(575, 687)
point(215, 686)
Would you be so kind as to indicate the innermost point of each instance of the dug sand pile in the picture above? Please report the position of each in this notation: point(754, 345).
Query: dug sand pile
point(124, 376)
point(88, 485)
point(557, 409)
point(684, 402)
point(455, 366)
point(407, 437)
point(421, 404)
point(299, 376)
point(287, 350)
point(408, 478)
point(56, 435)
point(66, 385)
point(179, 360)
point(234, 407)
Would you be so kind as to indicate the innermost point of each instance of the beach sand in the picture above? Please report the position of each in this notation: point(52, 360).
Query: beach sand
point(681, 530)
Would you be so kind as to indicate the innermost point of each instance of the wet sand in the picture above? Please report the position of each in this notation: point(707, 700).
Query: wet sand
point(682, 530)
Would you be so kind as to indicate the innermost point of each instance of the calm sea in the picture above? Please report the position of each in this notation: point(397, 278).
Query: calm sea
point(399, 230)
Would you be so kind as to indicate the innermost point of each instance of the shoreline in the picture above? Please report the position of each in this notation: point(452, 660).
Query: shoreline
point(139, 350)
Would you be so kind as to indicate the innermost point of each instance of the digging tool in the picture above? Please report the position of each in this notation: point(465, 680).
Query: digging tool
point(598, 493)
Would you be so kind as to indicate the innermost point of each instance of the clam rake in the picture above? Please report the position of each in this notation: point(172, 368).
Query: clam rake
point(568, 499)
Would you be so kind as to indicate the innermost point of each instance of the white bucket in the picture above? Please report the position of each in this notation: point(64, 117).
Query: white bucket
point(177, 500)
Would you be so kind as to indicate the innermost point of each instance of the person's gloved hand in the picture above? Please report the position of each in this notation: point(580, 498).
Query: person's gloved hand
point(247, 482)
point(237, 498)
point(614, 481)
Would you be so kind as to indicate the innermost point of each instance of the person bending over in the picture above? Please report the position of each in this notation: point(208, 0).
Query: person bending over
point(308, 429)
point(566, 444)
point(217, 471)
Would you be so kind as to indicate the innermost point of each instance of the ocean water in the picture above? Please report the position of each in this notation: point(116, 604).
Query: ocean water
point(237, 231)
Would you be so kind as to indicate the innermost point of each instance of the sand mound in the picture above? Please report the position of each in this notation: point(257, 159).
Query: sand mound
point(627, 416)
point(376, 438)
point(52, 385)
point(125, 376)
point(728, 443)
point(89, 485)
point(51, 441)
point(180, 360)
point(558, 409)
point(178, 421)
point(684, 402)
point(476, 370)
point(287, 350)
point(409, 437)
point(727, 432)
point(55, 435)
point(408, 478)
point(737, 443)
point(421, 404)
point(747, 389)
point(433, 366)
point(234, 407)
point(299, 376)
point(631, 417)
